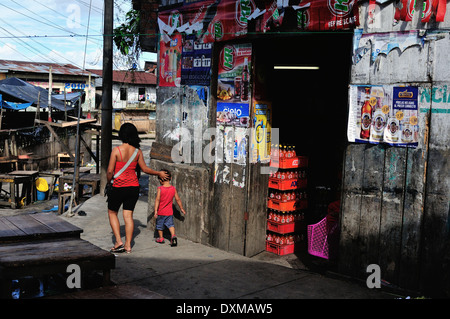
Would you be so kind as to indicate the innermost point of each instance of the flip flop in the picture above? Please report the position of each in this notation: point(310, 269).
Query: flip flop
point(119, 249)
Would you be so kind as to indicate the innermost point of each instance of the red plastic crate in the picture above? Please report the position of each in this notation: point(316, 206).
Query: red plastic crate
point(287, 184)
point(280, 249)
point(281, 228)
point(283, 185)
point(287, 206)
point(292, 162)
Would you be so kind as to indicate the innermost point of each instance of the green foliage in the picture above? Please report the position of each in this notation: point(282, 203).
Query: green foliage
point(126, 36)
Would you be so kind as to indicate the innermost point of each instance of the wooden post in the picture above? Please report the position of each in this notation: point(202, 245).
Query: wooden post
point(107, 91)
point(37, 117)
point(50, 87)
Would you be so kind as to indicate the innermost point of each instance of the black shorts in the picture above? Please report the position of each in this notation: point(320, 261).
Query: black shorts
point(126, 196)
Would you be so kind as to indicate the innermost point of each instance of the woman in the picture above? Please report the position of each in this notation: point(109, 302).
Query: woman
point(125, 190)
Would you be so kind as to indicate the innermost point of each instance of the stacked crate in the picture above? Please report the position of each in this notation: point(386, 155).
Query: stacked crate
point(287, 202)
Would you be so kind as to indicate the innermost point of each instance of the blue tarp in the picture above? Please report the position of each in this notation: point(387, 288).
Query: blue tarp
point(13, 106)
point(17, 90)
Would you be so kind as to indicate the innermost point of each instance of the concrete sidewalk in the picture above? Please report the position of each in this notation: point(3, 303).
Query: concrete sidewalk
point(192, 270)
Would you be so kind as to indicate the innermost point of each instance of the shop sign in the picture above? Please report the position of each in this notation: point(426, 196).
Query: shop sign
point(383, 114)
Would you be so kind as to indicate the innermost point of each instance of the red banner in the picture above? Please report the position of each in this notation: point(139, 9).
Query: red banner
point(319, 15)
point(210, 20)
point(170, 61)
point(223, 20)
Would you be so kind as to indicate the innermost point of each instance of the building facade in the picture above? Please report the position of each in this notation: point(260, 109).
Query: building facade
point(64, 78)
point(307, 74)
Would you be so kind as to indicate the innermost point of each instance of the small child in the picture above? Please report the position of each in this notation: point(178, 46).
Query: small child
point(163, 209)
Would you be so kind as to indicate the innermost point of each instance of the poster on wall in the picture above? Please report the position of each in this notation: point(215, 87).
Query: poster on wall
point(233, 114)
point(261, 134)
point(195, 62)
point(170, 61)
point(233, 87)
point(234, 74)
point(383, 114)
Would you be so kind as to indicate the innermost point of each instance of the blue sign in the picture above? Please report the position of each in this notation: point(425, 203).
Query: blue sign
point(195, 62)
point(237, 114)
point(405, 98)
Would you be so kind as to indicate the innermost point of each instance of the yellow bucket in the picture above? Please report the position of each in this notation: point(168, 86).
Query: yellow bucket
point(41, 185)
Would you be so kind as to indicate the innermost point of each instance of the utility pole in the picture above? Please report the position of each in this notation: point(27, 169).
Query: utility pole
point(106, 144)
point(50, 88)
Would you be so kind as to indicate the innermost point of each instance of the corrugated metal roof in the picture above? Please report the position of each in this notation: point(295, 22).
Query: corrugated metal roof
point(42, 67)
point(131, 77)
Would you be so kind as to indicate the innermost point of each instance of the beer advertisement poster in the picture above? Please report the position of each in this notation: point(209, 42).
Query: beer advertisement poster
point(170, 61)
point(383, 114)
point(234, 74)
point(195, 62)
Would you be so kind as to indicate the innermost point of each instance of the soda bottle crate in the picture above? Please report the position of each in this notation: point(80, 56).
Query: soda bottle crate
point(288, 184)
point(283, 228)
point(289, 162)
point(280, 249)
point(287, 206)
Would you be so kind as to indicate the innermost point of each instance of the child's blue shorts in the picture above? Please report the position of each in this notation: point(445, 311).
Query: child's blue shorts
point(162, 221)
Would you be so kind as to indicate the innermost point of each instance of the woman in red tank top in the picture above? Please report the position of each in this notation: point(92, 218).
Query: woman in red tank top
point(125, 191)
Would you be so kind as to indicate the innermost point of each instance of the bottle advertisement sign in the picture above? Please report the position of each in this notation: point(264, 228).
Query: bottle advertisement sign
point(233, 87)
point(383, 114)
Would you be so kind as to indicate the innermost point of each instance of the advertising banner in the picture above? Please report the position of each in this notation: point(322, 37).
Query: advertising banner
point(209, 20)
point(233, 87)
point(321, 15)
point(383, 114)
point(261, 137)
point(170, 61)
point(236, 114)
point(195, 62)
point(234, 73)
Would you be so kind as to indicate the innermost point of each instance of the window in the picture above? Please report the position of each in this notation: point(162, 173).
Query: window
point(141, 94)
point(123, 94)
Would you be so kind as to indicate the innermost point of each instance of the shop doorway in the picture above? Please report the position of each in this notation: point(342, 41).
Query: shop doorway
point(309, 106)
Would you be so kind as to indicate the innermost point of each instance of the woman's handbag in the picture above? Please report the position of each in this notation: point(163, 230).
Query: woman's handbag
point(109, 186)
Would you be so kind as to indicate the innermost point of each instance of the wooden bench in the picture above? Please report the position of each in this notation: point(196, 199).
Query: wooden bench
point(35, 226)
point(38, 258)
point(44, 244)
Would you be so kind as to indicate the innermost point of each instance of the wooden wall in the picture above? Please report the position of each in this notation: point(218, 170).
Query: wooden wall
point(395, 203)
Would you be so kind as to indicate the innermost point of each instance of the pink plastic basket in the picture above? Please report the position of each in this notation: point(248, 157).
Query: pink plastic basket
point(318, 243)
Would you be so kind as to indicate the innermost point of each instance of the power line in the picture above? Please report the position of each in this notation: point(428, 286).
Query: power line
point(49, 24)
point(14, 49)
point(87, 32)
point(99, 10)
point(29, 47)
point(41, 44)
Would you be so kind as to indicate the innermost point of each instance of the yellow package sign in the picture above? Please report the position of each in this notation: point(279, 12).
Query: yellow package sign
point(261, 134)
